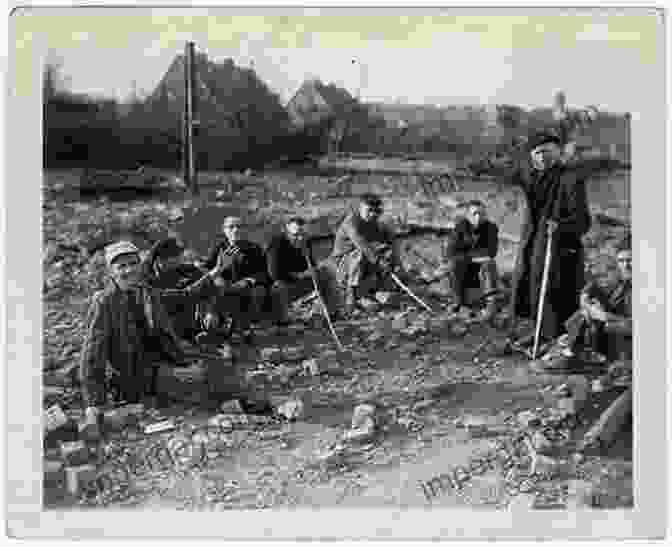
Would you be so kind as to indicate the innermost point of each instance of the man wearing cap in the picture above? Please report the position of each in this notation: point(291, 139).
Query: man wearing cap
point(243, 282)
point(557, 207)
point(364, 253)
point(469, 256)
point(129, 329)
point(287, 256)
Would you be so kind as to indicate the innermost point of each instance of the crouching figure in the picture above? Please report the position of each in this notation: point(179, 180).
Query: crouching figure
point(364, 255)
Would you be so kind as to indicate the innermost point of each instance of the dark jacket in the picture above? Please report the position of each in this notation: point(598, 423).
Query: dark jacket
point(250, 263)
point(558, 194)
point(182, 288)
point(355, 233)
point(123, 329)
point(467, 241)
point(284, 259)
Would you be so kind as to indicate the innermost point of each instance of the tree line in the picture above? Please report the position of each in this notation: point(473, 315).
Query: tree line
point(243, 124)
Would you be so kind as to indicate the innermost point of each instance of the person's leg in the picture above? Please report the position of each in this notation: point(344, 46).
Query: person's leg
point(488, 278)
point(350, 271)
point(280, 297)
point(456, 270)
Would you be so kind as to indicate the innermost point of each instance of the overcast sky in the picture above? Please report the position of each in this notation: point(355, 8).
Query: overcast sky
point(425, 56)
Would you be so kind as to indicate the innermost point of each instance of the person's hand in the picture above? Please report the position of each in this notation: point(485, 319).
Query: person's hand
point(91, 414)
point(303, 275)
point(226, 258)
point(210, 321)
point(551, 226)
point(243, 283)
point(596, 311)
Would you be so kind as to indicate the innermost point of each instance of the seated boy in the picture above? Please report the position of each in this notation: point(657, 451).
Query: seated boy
point(469, 257)
point(288, 267)
point(601, 330)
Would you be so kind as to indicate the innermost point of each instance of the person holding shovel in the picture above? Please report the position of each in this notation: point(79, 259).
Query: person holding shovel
point(551, 255)
point(364, 254)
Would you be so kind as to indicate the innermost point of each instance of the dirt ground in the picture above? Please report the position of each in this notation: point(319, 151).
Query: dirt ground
point(436, 405)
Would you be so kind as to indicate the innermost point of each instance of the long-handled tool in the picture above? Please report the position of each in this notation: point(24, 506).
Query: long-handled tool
point(409, 292)
point(325, 311)
point(542, 292)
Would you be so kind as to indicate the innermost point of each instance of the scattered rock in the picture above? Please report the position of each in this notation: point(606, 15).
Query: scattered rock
point(78, 478)
point(310, 367)
point(361, 414)
point(291, 410)
point(231, 407)
point(527, 418)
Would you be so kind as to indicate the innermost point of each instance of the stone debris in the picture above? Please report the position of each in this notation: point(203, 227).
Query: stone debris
point(231, 407)
point(160, 427)
point(291, 410)
point(75, 453)
point(79, 478)
point(310, 367)
point(54, 418)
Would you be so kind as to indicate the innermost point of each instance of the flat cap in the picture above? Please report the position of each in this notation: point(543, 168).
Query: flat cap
point(115, 250)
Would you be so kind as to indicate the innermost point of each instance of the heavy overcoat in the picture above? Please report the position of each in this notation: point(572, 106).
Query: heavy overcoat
point(559, 194)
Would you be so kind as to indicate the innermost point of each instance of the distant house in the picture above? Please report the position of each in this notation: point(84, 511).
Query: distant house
point(314, 101)
point(316, 104)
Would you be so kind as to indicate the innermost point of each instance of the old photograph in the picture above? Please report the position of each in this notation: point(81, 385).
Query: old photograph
point(323, 258)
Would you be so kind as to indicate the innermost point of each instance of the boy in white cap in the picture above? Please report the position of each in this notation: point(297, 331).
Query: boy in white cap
point(128, 328)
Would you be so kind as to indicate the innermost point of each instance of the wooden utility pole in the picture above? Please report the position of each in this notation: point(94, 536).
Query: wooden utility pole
point(628, 160)
point(188, 158)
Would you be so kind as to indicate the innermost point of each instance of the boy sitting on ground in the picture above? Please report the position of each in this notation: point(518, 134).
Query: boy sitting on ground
point(469, 257)
point(601, 330)
point(288, 256)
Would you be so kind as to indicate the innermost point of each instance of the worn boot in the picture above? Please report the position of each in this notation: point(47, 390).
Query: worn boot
point(350, 301)
point(489, 311)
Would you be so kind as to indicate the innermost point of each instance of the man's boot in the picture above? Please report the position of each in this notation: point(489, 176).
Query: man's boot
point(350, 301)
point(489, 311)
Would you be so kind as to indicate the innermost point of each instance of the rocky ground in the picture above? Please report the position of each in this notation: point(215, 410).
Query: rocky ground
point(422, 409)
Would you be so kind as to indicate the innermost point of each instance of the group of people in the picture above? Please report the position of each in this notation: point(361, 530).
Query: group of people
point(150, 307)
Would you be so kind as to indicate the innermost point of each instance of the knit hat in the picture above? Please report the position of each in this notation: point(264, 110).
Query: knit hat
point(115, 250)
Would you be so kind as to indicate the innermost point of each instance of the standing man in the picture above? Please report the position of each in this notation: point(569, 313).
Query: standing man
point(557, 208)
point(364, 254)
point(243, 282)
point(469, 257)
point(288, 267)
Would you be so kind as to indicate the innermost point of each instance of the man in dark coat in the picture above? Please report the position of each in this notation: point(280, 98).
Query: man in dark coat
point(288, 267)
point(469, 256)
point(556, 204)
point(165, 270)
point(243, 282)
